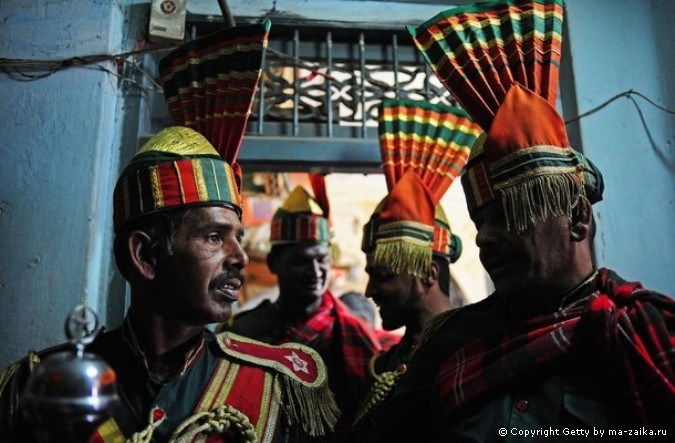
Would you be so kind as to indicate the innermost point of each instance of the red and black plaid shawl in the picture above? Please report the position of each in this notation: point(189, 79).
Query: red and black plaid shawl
point(624, 333)
point(334, 323)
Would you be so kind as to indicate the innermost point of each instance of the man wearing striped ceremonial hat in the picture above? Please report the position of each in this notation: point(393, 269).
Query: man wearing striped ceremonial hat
point(561, 345)
point(178, 231)
point(408, 241)
point(305, 310)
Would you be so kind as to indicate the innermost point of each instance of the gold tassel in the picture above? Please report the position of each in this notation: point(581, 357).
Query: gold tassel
point(314, 408)
point(540, 198)
point(379, 392)
point(11, 376)
point(396, 256)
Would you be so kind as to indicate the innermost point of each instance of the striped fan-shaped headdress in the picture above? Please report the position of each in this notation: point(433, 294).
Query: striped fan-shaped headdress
point(501, 62)
point(424, 148)
point(209, 85)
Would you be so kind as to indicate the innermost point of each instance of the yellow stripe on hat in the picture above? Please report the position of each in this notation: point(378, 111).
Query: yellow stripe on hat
point(202, 192)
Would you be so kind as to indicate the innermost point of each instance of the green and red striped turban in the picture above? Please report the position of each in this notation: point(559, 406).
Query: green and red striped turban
point(424, 147)
point(501, 61)
point(176, 168)
point(300, 218)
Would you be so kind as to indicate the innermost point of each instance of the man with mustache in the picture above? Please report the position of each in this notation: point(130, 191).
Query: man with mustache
point(306, 311)
point(560, 346)
point(180, 249)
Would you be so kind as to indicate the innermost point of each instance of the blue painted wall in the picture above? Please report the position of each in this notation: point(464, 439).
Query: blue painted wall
point(63, 137)
point(617, 46)
point(60, 148)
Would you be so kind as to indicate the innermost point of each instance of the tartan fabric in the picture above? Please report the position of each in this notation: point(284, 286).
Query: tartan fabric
point(209, 85)
point(343, 339)
point(334, 322)
point(501, 61)
point(387, 339)
point(624, 332)
point(423, 147)
point(177, 167)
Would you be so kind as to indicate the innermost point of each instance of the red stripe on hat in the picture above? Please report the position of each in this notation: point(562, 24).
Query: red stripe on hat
point(188, 181)
point(483, 189)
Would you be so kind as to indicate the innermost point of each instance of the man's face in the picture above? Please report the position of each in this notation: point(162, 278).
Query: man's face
point(396, 296)
point(533, 262)
point(302, 271)
point(201, 279)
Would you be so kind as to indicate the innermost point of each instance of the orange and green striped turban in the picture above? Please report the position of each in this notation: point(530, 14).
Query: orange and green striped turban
point(300, 218)
point(423, 147)
point(176, 168)
point(501, 61)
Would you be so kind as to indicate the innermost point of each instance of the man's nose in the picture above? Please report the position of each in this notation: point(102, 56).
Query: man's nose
point(313, 267)
point(485, 236)
point(236, 255)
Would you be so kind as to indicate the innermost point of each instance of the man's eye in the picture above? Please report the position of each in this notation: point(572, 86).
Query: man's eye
point(381, 276)
point(213, 238)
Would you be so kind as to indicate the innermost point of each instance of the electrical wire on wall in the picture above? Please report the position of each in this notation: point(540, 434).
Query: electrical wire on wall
point(32, 70)
point(630, 94)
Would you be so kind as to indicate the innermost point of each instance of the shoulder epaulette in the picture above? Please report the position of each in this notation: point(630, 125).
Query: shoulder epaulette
point(305, 380)
point(295, 360)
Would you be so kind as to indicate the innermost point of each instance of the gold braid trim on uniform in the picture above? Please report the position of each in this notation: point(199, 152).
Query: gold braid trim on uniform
point(219, 420)
point(10, 379)
point(308, 403)
point(384, 384)
point(314, 408)
point(145, 436)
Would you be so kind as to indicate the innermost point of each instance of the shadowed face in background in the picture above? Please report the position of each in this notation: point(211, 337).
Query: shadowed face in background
point(302, 271)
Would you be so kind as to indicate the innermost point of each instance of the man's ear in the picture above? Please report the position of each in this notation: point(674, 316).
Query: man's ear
point(432, 277)
point(581, 221)
point(140, 252)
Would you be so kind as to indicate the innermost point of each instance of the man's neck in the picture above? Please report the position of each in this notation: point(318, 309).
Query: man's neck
point(546, 301)
point(296, 312)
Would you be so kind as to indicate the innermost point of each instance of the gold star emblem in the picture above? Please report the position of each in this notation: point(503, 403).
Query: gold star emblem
point(298, 363)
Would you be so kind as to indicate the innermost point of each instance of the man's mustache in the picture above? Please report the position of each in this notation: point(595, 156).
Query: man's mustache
point(230, 273)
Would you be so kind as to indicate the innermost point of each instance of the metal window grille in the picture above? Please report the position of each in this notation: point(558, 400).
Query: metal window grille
point(316, 108)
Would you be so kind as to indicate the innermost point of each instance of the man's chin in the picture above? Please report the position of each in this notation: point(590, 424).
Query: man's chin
point(507, 285)
point(391, 325)
point(222, 313)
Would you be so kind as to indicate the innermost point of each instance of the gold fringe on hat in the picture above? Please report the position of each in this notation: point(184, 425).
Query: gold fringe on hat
point(539, 198)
